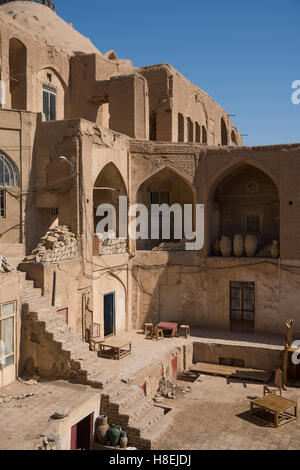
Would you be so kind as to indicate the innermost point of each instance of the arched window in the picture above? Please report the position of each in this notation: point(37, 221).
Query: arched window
point(224, 133)
point(17, 74)
point(9, 175)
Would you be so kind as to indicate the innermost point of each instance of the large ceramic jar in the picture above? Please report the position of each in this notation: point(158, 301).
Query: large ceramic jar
point(115, 434)
point(238, 246)
point(226, 247)
point(102, 428)
point(123, 440)
point(251, 244)
point(275, 249)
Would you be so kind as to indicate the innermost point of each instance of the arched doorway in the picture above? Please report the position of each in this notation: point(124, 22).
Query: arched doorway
point(17, 74)
point(246, 202)
point(108, 188)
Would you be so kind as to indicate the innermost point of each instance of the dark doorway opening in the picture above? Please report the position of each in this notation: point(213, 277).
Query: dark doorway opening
point(242, 306)
point(82, 434)
point(109, 314)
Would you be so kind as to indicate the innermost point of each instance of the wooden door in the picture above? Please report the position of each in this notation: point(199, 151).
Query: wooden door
point(109, 314)
point(242, 306)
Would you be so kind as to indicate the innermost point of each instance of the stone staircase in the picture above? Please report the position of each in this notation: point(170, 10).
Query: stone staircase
point(56, 351)
point(145, 423)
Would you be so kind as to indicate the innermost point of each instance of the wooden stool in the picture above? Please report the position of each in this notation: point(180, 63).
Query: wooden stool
point(185, 330)
point(158, 334)
point(148, 329)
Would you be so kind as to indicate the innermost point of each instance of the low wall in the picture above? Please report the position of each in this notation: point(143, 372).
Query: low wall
point(254, 357)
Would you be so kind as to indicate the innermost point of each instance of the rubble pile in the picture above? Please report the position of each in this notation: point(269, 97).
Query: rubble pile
point(171, 246)
point(109, 244)
point(172, 391)
point(5, 267)
point(7, 398)
point(58, 244)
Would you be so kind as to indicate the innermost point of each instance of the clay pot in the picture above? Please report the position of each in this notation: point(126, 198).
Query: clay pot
point(114, 434)
point(102, 428)
point(238, 246)
point(216, 248)
point(275, 249)
point(226, 247)
point(251, 244)
point(123, 440)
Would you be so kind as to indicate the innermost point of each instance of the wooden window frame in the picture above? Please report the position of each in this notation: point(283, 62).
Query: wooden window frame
point(4, 317)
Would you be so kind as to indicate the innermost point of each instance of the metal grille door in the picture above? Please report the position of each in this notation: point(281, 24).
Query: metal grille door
point(242, 306)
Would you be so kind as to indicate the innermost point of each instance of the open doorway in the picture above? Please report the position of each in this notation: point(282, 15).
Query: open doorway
point(82, 434)
point(109, 314)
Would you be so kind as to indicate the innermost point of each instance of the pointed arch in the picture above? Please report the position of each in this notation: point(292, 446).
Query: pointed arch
point(18, 74)
point(166, 186)
point(244, 199)
point(9, 174)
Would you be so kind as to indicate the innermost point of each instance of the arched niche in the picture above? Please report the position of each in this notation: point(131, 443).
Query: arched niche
point(245, 201)
point(165, 187)
point(50, 94)
point(17, 74)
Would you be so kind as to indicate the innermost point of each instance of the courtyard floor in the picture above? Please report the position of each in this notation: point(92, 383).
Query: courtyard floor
point(215, 416)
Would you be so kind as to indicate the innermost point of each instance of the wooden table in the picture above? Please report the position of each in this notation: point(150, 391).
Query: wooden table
point(275, 406)
point(165, 326)
point(116, 352)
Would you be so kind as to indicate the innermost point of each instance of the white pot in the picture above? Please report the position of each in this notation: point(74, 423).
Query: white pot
point(238, 246)
point(251, 244)
point(226, 247)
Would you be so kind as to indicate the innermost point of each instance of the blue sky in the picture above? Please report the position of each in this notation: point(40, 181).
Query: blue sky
point(245, 54)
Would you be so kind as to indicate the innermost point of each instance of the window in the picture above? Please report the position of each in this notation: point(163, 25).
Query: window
point(7, 334)
point(9, 175)
point(49, 102)
point(160, 197)
point(242, 303)
point(153, 127)
point(252, 224)
point(2, 203)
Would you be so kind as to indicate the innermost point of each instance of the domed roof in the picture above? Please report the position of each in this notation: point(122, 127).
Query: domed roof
point(43, 23)
point(47, 3)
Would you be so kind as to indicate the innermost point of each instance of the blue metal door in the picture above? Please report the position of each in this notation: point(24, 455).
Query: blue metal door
point(109, 314)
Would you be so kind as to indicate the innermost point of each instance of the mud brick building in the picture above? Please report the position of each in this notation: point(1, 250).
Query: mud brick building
point(151, 135)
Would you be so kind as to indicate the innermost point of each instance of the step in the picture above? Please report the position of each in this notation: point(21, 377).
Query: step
point(36, 303)
point(96, 380)
point(135, 411)
point(151, 438)
point(76, 346)
point(31, 292)
point(151, 417)
point(70, 342)
point(52, 321)
point(26, 284)
point(130, 394)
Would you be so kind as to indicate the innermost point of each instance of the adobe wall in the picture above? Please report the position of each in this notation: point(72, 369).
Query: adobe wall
point(201, 282)
point(17, 133)
point(170, 93)
point(254, 357)
point(65, 288)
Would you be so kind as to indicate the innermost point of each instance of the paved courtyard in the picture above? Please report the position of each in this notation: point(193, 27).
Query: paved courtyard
point(215, 416)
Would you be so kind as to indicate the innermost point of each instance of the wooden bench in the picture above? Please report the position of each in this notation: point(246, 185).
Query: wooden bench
point(115, 352)
point(158, 334)
point(273, 409)
point(184, 330)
